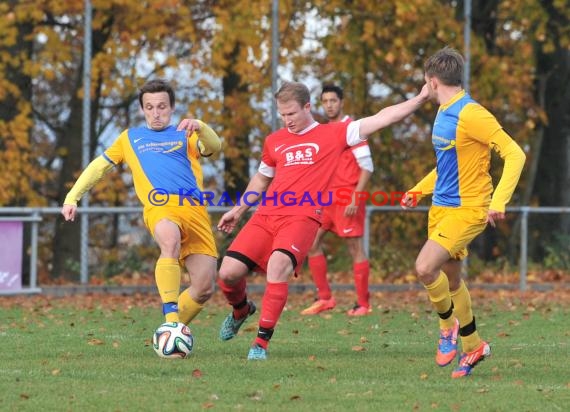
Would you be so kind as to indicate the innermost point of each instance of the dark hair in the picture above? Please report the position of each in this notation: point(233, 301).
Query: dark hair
point(157, 86)
point(331, 88)
point(446, 65)
point(293, 91)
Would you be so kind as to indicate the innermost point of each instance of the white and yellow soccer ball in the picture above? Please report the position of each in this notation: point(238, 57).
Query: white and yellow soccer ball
point(173, 340)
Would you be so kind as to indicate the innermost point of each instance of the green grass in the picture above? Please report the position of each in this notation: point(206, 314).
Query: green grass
point(99, 359)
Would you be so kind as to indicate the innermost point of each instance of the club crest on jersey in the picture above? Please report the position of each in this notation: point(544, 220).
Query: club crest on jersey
point(300, 154)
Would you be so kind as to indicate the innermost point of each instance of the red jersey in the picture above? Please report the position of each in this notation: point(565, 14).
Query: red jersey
point(303, 166)
point(348, 170)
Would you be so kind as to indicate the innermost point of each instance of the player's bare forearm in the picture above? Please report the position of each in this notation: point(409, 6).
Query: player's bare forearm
point(393, 114)
point(360, 186)
point(257, 185)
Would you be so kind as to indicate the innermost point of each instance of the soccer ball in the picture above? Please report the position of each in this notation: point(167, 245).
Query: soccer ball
point(173, 340)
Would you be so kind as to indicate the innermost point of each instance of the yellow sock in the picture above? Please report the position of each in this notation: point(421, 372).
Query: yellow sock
point(439, 296)
point(462, 310)
point(188, 308)
point(167, 276)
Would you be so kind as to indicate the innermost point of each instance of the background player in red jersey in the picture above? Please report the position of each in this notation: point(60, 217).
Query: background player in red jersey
point(297, 164)
point(352, 173)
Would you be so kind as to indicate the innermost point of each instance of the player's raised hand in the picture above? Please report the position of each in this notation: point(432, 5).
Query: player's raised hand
point(229, 221)
point(424, 93)
point(69, 212)
point(190, 125)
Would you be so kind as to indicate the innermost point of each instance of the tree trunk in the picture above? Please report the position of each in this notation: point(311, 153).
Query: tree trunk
point(552, 184)
point(66, 250)
point(236, 160)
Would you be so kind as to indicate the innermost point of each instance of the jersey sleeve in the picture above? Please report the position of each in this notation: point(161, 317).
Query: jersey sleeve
point(116, 153)
point(209, 142)
point(353, 134)
point(268, 163)
point(425, 186)
point(480, 124)
point(514, 158)
point(363, 156)
point(88, 178)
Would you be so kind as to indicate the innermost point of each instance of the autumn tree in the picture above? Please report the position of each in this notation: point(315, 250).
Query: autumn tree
point(217, 54)
point(21, 157)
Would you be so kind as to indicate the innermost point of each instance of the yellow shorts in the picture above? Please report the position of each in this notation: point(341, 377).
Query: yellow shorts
point(455, 227)
point(194, 223)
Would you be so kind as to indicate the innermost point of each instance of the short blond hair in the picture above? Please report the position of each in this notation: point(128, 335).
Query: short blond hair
point(293, 91)
point(447, 65)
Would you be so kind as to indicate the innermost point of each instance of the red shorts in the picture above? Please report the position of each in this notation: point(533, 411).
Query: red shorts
point(263, 234)
point(334, 220)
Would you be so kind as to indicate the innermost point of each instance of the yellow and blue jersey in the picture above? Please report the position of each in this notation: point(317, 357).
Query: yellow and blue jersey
point(462, 136)
point(167, 160)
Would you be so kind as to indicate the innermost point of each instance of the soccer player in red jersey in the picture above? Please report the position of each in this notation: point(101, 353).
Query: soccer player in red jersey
point(297, 164)
point(347, 221)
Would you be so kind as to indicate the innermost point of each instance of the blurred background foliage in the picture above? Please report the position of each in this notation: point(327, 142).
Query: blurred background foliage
point(217, 54)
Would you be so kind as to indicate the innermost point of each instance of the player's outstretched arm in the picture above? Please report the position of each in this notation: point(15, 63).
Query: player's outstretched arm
point(393, 114)
point(88, 178)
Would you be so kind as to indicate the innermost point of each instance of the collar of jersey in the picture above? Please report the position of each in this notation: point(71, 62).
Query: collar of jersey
point(306, 129)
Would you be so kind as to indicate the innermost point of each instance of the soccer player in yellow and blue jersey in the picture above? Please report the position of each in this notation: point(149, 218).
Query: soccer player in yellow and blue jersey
point(463, 202)
point(167, 176)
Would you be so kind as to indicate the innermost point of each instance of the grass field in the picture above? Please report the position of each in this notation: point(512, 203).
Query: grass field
point(93, 354)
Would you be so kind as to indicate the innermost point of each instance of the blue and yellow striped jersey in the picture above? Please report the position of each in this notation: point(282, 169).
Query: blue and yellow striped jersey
point(165, 159)
point(462, 136)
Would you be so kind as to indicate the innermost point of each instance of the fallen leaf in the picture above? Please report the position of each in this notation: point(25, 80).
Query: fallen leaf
point(95, 341)
point(55, 372)
point(197, 373)
point(358, 348)
point(295, 397)
point(363, 339)
point(208, 405)
point(423, 376)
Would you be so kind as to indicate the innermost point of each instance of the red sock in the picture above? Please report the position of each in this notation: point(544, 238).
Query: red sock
point(272, 304)
point(235, 295)
point(318, 268)
point(361, 274)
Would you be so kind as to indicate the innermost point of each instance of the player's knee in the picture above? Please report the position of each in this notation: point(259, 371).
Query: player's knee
point(355, 248)
point(425, 272)
point(228, 275)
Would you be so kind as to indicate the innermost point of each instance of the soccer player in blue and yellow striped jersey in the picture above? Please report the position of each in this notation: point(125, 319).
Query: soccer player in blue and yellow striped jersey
point(167, 176)
point(463, 202)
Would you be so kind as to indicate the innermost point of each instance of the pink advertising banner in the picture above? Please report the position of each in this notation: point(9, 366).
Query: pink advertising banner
point(11, 243)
